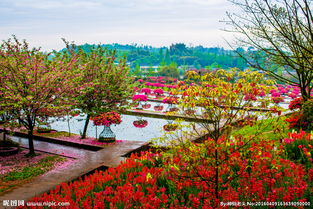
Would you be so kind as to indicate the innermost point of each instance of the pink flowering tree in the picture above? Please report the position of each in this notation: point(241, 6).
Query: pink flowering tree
point(32, 81)
point(108, 84)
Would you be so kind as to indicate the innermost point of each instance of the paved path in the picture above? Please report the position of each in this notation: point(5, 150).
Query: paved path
point(87, 161)
point(66, 151)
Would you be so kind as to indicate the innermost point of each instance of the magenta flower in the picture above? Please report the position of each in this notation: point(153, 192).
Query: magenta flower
point(146, 90)
point(158, 91)
point(139, 97)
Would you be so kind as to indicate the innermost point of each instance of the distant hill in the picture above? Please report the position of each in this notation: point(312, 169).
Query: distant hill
point(196, 57)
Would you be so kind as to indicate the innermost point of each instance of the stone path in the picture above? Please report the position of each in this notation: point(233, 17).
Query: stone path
point(87, 161)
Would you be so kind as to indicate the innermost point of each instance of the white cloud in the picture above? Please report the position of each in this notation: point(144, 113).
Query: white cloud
point(55, 4)
point(151, 22)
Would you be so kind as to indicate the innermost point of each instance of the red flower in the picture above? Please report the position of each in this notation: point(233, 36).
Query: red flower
point(295, 104)
point(107, 119)
point(140, 123)
point(158, 108)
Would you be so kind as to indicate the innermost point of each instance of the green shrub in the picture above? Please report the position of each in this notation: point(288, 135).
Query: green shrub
point(307, 109)
point(299, 148)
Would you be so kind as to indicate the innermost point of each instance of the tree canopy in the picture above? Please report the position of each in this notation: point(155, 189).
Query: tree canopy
point(108, 84)
point(34, 85)
point(281, 33)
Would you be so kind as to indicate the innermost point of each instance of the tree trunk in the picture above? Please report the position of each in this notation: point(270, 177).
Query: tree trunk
point(4, 134)
point(31, 143)
point(85, 127)
point(96, 132)
point(304, 93)
point(216, 173)
point(68, 125)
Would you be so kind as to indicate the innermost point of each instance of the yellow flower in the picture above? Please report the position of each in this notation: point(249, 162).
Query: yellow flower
point(149, 176)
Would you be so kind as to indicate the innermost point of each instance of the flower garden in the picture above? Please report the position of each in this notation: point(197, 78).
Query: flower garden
point(233, 136)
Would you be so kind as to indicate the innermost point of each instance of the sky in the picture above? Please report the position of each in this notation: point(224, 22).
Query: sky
point(145, 22)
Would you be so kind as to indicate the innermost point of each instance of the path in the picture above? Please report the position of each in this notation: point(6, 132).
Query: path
point(66, 151)
point(87, 161)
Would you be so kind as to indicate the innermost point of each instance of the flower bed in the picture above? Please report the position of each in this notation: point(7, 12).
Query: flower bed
point(185, 178)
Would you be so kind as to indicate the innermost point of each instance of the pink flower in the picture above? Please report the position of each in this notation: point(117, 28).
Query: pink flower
point(146, 90)
point(139, 97)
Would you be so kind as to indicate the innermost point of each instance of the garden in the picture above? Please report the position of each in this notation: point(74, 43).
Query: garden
point(221, 137)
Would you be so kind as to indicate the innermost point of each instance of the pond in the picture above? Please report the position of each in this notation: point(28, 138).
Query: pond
point(124, 131)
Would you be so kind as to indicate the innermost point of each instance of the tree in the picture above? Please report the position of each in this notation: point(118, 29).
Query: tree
point(179, 49)
point(34, 84)
point(151, 71)
point(169, 70)
point(281, 32)
point(108, 84)
point(223, 100)
point(137, 71)
point(167, 57)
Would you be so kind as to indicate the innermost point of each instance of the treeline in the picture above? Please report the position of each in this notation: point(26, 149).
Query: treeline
point(197, 57)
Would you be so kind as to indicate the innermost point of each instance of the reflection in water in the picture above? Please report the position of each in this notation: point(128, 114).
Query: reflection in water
point(124, 131)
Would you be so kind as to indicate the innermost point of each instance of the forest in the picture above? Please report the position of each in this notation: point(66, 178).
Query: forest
point(192, 56)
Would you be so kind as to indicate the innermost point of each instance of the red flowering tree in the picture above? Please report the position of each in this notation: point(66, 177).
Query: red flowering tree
point(302, 117)
point(32, 81)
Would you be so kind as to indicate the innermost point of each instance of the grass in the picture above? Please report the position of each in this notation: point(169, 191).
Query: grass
point(57, 134)
point(25, 174)
point(275, 128)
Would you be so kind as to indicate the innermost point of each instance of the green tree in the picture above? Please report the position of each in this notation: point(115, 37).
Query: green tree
point(179, 49)
point(167, 57)
point(169, 70)
point(137, 71)
point(150, 71)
